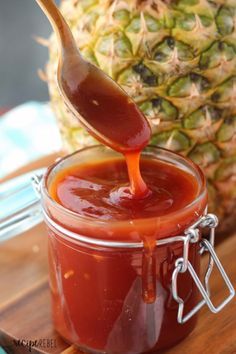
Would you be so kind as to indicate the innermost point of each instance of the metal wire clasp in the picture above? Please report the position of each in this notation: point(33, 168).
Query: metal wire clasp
point(182, 265)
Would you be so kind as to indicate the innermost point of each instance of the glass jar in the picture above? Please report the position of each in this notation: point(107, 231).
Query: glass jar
point(96, 271)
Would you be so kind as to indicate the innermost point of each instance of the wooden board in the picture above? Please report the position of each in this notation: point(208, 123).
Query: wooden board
point(25, 301)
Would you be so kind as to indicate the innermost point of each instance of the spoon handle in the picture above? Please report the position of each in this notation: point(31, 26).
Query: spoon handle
point(59, 25)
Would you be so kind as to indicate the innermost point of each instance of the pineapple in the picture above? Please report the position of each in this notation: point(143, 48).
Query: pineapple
point(177, 59)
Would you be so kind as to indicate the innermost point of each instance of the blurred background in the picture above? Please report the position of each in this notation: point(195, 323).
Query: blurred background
point(20, 55)
point(23, 95)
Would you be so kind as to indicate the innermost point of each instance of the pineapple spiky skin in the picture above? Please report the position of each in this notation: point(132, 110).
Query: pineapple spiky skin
point(177, 59)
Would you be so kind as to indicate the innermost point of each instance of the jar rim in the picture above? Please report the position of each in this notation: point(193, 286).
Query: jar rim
point(201, 194)
point(92, 242)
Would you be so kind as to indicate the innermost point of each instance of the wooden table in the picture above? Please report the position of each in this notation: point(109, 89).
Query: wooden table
point(25, 303)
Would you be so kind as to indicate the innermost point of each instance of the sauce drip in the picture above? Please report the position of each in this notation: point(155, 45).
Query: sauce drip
point(149, 271)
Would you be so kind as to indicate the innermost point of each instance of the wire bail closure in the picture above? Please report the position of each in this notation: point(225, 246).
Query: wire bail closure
point(182, 265)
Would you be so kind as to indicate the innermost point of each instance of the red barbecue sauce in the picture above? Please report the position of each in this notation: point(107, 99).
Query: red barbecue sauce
point(100, 296)
point(101, 190)
point(117, 190)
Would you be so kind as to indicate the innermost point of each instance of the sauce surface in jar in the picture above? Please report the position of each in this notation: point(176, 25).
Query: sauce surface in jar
point(101, 190)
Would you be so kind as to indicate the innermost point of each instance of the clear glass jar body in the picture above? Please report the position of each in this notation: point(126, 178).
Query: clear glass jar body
point(96, 286)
